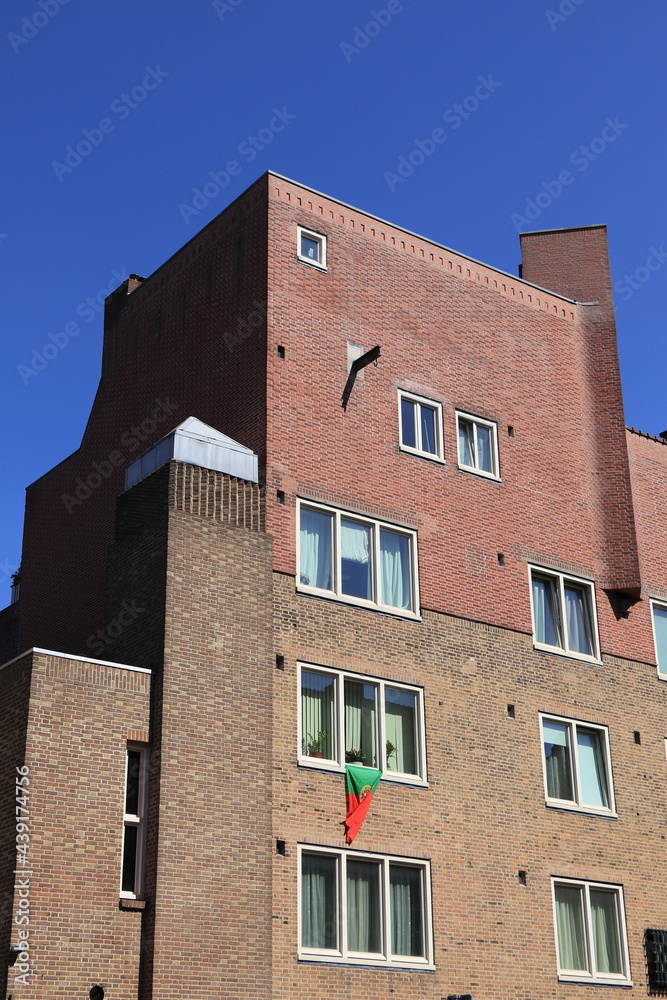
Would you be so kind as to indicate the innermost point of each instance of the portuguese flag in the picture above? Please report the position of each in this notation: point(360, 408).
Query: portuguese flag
point(360, 783)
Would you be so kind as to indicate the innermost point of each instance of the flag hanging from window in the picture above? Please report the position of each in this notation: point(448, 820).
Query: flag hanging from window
point(360, 784)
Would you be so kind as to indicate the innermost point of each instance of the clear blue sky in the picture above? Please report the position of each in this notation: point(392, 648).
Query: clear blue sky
point(182, 88)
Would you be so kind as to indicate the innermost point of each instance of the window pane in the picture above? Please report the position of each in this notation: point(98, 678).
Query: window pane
point(606, 938)
point(570, 928)
point(592, 778)
point(401, 730)
point(545, 612)
point(660, 625)
point(363, 906)
point(408, 429)
point(360, 724)
point(129, 874)
point(407, 937)
point(556, 738)
point(132, 789)
point(395, 569)
point(577, 616)
point(428, 430)
point(484, 448)
point(310, 248)
point(466, 444)
point(318, 727)
point(318, 902)
point(355, 549)
point(315, 549)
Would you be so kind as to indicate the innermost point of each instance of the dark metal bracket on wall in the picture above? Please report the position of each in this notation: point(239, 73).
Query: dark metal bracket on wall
point(369, 357)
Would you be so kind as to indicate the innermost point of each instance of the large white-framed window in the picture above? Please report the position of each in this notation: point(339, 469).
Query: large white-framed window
point(591, 940)
point(134, 822)
point(564, 617)
point(659, 618)
point(577, 765)
point(364, 909)
point(352, 718)
point(311, 247)
point(356, 559)
point(477, 445)
point(420, 425)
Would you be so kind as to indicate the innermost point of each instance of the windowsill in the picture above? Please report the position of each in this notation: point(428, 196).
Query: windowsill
point(333, 767)
point(572, 807)
point(594, 980)
point(376, 963)
point(311, 263)
point(125, 903)
point(357, 603)
point(429, 456)
point(479, 472)
point(557, 651)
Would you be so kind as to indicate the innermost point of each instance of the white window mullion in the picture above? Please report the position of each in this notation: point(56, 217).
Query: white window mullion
point(386, 910)
point(588, 925)
point(381, 729)
point(341, 866)
point(376, 579)
point(574, 761)
point(335, 555)
point(340, 718)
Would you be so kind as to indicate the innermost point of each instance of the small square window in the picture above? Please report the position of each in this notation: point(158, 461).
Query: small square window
point(478, 445)
point(354, 719)
point(564, 614)
point(591, 941)
point(577, 770)
point(420, 422)
point(659, 615)
point(311, 247)
point(364, 909)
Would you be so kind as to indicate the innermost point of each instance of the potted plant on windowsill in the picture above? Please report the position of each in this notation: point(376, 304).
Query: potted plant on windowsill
point(391, 750)
point(353, 756)
point(314, 746)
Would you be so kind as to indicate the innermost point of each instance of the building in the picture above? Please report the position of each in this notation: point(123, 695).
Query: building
point(343, 489)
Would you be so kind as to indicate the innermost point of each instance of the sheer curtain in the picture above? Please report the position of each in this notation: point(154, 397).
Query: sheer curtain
point(399, 714)
point(360, 714)
point(363, 907)
point(318, 902)
point(592, 778)
point(545, 612)
point(318, 699)
point(315, 549)
point(428, 429)
point(570, 928)
point(466, 444)
point(395, 569)
point(557, 758)
point(355, 550)
point(660, 626)
point(406, 911)
point(577, 618)
point(606, 943)
point(484, 455)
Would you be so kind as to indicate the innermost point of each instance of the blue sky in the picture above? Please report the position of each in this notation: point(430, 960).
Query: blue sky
point(158, 96)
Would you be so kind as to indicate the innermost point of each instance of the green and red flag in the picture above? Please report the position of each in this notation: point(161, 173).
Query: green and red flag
point(360, 783)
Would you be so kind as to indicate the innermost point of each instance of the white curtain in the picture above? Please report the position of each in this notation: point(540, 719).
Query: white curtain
point(406, 911)
point(484, 456)
point(363, 907)
point(318, 902)
point(558, 760)
point(355, 552)
point(660, 626)
point(570, 928)
point(395, 569)
point(591, 768)
point(606, 941)
point(318, 696)
point(399, 713)
point(577, 619)
point(545, 612)
point(428, 429)
point(315, 549)
point(360, 714)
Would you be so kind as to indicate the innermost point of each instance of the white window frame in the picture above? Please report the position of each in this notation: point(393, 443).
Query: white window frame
point(593, 976)
point(662, 674)
point(588, 586)
point(386, 958)
point(318, 238)
point(430, 404)
point(137, 821)
point(479, 422)
point(576, 804)
point(376, 526)
point(338, 764)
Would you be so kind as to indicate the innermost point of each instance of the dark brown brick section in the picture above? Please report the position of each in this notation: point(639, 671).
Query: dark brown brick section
point(9, 632)
point(483, 817)
point(75, 748)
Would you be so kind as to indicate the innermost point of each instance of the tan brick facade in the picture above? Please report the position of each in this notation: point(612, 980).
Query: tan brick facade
point(191, 576)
